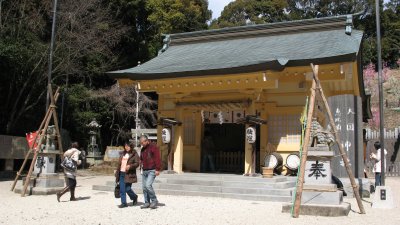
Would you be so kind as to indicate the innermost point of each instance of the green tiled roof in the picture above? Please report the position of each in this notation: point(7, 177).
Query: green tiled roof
point(251, 48)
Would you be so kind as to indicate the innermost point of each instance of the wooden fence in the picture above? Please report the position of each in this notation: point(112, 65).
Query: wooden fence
point(392, 169)
point(392, 142)
point(229, 161)
point(389, 134)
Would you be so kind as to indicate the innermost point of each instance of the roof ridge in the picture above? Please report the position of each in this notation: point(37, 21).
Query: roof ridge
point(295, 26)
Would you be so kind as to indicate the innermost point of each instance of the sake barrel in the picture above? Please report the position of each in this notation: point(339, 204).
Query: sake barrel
point(293, 161)
point(273, 160)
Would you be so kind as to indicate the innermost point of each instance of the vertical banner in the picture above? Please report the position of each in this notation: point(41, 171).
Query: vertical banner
point(347, 114)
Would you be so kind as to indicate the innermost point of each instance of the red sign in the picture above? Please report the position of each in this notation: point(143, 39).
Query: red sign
point(31, 138)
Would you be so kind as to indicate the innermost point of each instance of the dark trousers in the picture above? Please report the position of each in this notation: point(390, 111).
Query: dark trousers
point(71, 183)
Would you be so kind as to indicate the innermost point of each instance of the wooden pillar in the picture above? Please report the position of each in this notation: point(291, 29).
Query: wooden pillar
point(263, 136)
point(248, 152)
point(178, 142)
point(199, 136)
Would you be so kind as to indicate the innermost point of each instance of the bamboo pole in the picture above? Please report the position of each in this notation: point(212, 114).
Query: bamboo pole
point(338, 141)
point(34, 141)
point(300, 181)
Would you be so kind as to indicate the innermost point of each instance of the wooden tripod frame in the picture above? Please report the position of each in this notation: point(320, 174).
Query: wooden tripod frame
point(51, 112)
point(317, 89)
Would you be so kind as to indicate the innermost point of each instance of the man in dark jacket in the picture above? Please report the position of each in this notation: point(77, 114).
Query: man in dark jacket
point(151, 166)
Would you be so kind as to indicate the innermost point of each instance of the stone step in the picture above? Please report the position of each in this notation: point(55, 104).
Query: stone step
point(257, 191)
point(137, 187)
point(238, 184)
point(272, 198)
point(278, 188)
point(223, 177)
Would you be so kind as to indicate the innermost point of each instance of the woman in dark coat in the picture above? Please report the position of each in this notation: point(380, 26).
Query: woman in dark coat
point(126, 174)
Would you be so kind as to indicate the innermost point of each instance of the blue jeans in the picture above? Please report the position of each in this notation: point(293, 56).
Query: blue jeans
point(148, 177)
point(125, 188)
point(377, 179)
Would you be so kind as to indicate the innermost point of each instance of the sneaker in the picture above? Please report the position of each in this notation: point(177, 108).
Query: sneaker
point(134, 202)
point(153, 205)
point(145, 206)
point(123, 205)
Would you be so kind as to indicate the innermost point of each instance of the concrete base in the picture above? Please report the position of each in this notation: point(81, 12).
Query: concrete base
point(379, 202)
point(363, 183)
point(94, 160)
point(323, 198)
point(45, 184)
point(320, 210)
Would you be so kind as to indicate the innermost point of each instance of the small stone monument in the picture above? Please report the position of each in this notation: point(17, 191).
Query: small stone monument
point(45, 180)
point(320, 196)
point(93, 152)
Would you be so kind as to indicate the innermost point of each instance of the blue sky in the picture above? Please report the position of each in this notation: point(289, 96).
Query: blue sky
point(217, 6)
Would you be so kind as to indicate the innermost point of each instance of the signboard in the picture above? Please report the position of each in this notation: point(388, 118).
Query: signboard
point(347, 114)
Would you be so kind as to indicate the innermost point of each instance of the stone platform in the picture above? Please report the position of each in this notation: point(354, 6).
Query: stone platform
point(318, 210)
point(47, 184)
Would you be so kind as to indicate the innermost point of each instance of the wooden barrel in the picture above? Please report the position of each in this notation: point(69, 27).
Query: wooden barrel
point(267, 172)
point(273, 160)
point(293, 161)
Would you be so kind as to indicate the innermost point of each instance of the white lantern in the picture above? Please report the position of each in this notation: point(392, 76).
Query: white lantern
point(166, 135)
point(251, 135)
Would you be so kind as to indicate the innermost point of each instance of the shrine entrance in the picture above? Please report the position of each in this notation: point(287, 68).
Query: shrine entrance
point(226, 149)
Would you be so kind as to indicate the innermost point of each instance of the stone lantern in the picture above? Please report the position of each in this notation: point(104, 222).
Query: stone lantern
point(93, 151)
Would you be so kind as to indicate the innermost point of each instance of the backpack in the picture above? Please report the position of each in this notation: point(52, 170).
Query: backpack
point(68, 164)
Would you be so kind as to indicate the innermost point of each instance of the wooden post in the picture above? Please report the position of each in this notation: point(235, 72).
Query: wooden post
point(55, 119)
point(30, 148)
point(338, 141)
point(300, 182)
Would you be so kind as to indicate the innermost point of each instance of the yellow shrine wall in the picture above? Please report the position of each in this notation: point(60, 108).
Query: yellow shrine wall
point(274, 95)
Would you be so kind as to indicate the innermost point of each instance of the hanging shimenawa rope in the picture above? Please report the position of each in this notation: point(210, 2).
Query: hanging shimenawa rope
point(303, 120)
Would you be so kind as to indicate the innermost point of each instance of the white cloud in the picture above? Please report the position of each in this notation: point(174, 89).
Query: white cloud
point(217, 6)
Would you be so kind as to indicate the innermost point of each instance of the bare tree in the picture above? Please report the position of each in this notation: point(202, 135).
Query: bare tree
point(85, 38)
point(123, 101)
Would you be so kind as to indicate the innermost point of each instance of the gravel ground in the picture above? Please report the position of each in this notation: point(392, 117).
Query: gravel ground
point(96, 207)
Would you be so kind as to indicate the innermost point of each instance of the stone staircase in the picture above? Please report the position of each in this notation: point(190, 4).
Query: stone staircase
point(276, 189)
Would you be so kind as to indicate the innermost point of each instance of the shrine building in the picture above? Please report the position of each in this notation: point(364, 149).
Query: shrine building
point(208, 80)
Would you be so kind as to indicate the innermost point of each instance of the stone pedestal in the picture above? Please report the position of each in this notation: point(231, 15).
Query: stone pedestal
point(45, 184)
point(320, 197)
point(94, 159)
point(44, 180)
point(383, 198)
point(45, 164)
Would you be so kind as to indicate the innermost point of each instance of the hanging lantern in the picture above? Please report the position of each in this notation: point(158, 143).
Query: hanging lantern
point(166, 135)
point(251, 135)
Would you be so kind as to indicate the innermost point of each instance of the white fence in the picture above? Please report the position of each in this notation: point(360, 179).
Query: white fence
point(388, 134)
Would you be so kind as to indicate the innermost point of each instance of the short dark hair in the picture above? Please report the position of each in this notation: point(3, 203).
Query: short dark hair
point(377, 145)
point(74, 145)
